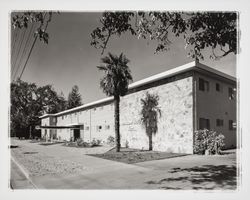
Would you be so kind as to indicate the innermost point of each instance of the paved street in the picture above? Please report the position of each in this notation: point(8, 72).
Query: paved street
point(61, 167)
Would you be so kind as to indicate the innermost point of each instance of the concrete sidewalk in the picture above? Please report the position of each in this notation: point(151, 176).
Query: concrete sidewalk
point(188, 172)
point(18, 179)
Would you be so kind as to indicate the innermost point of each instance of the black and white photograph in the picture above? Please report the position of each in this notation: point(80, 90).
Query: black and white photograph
point(124, 100)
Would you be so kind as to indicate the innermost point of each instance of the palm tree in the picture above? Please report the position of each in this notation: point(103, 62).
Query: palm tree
point(115, 83)
point(149, 115)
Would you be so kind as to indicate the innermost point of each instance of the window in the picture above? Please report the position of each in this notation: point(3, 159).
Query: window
point(203, 85)
point(219, 122)
point(232, 125)
point(204, 123)
point(218, 88)
point(107, 127)
point(62, 117)
point(231, 93)
point(98, 128)
point(87, 128)
point(101, 108)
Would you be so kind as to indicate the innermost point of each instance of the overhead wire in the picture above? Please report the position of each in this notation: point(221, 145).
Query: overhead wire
point(18, 52)
point(33, 44)
point(13, 50)
point(24, 50)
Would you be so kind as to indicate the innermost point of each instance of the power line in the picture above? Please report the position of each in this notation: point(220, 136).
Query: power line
point(19, 47)
point(24, 50)
point(35, 42)
point(14, 43)
point(13, 50)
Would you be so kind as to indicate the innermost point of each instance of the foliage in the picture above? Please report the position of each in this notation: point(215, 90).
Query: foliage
point(81, 143)
point(22, 19)
point(115, 83)
point(149, 115)
point(111, 140)
point(117, 75)
point(28, 102)
point(200, 30)
point(74, 98)
point(208, 140)
point(95, 142)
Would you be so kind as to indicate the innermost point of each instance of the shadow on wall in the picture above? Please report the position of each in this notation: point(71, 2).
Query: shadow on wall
point(207, 177)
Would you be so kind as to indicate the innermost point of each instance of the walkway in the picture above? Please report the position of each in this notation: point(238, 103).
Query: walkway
point(60, 167)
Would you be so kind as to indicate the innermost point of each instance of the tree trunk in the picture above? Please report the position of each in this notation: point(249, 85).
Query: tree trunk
point(117, 123)
point(150, 142)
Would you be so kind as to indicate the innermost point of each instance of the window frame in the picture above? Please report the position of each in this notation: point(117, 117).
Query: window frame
point(203, 85)
point(207, 123)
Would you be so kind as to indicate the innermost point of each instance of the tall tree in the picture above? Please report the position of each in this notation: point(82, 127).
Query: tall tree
point(28, 102)
point(117, 76)
point(74, 98)
point(200, 30)
point(149, 116)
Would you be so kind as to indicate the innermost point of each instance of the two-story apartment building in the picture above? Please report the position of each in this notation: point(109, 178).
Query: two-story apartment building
point(191, 97)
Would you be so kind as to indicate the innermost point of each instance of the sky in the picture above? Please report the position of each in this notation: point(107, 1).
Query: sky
point(69, 59)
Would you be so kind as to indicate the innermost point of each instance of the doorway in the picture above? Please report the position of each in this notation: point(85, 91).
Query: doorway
point(76, 134)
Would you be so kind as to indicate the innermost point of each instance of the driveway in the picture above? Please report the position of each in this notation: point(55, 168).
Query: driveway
point(61, 167)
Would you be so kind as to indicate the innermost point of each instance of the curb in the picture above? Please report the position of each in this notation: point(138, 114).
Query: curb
point(24, 171)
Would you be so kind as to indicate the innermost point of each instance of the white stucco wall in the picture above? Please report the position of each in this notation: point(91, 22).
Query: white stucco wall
point(99, 116)
point(175, 127)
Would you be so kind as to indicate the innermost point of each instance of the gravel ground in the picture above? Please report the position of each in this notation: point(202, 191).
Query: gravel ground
point(39, 164)
point(37, 161)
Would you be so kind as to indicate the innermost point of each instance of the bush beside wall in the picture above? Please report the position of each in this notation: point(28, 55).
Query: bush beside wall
point(208, 142)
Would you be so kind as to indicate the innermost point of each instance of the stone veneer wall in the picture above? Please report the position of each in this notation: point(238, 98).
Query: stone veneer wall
point(175, 126)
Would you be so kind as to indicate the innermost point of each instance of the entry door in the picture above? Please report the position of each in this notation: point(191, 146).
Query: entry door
point(76, 134)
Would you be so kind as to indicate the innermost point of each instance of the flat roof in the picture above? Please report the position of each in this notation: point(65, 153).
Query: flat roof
point(195, 65)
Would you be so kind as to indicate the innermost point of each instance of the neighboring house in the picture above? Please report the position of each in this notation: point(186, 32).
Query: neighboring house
point(191, 97)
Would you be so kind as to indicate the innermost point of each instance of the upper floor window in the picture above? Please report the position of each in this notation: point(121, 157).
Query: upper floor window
point(98, 128)
point(219, 122)
point(203, 85)
point(231, 125)
point(62, 117)
point(218, 87)
point(107, 127)
point(204, 123)
point(231, 93)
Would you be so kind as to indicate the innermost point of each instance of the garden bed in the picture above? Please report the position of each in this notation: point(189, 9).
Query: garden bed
point(130, 156)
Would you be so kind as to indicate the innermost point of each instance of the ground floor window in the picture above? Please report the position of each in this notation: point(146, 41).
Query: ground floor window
point(204, 123)
point(219, 122)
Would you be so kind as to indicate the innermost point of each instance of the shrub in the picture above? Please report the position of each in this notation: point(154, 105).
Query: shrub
point(127, 144)
point(208, 140)
point(95, 142)
point(111, 140)
point(81, 143)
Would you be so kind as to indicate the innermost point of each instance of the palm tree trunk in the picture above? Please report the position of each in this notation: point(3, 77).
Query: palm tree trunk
point(150, 142)
point(117, 123)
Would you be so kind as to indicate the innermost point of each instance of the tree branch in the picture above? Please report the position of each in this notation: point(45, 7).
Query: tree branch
point(105, 43)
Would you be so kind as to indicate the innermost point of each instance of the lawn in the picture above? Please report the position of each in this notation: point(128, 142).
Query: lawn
point(130, 156)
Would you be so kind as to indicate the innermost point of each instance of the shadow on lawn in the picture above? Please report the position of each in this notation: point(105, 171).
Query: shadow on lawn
point(217, 177)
